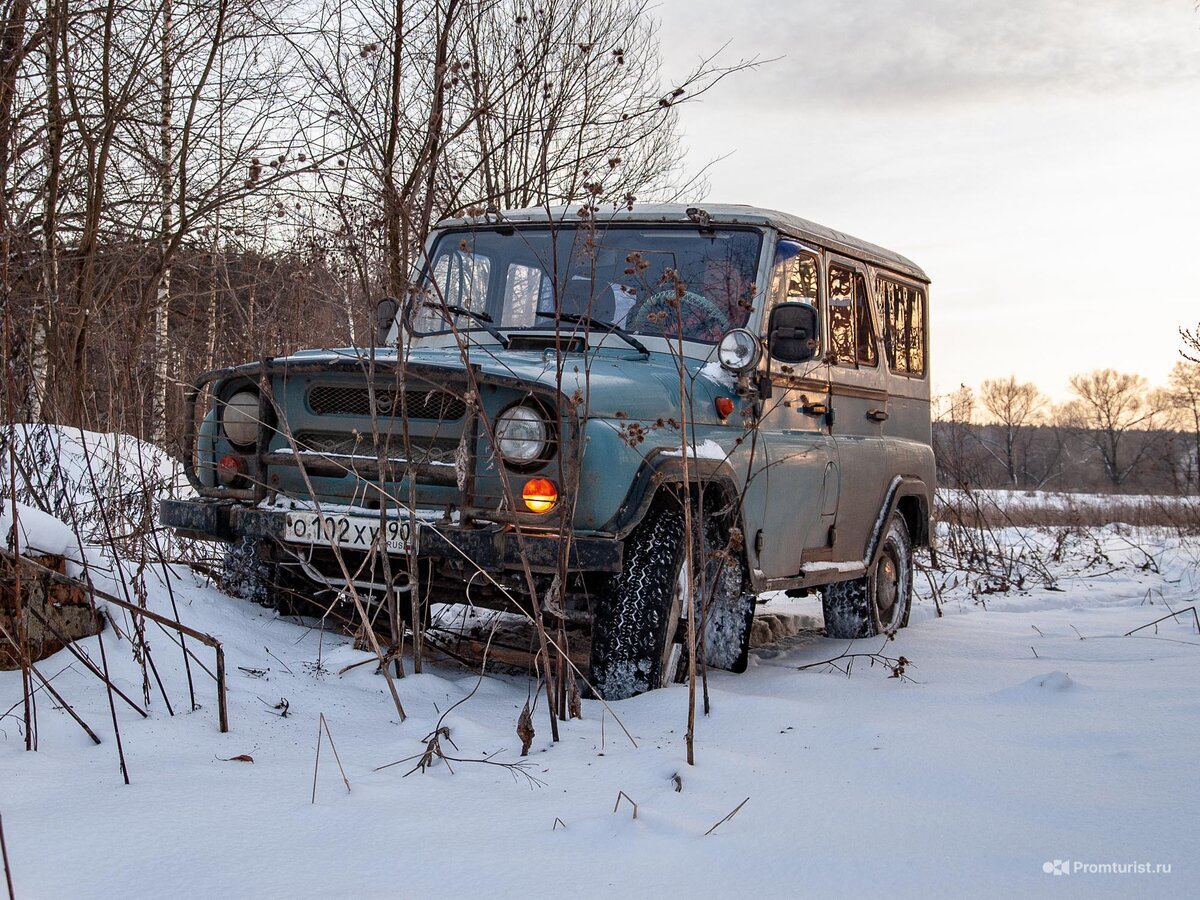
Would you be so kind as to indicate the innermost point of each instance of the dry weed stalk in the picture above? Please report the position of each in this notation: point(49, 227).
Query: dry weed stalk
point(897, 666)
point(7, 869)
point(628, 799)
point(1173, 616)
point(735, 811)
point(323, 727)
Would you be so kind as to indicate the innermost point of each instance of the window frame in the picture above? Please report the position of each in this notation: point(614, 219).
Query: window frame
point(772, 299)
point(862, 270)
point(923, 293)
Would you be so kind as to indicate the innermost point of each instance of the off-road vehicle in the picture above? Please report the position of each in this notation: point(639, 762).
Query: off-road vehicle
point(560, 397)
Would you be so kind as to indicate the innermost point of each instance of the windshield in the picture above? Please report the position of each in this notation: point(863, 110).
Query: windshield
point(628, 276)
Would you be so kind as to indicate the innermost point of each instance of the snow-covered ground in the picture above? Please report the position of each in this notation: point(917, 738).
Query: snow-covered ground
point(1024, 733)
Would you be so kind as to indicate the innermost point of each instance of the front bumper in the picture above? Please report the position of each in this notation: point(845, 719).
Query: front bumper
point(491, 547)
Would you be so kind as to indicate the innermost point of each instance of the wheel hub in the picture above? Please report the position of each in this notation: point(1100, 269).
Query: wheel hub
point(887, 584)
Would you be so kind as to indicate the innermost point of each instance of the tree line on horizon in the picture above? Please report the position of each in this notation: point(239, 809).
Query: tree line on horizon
point(1117, 434)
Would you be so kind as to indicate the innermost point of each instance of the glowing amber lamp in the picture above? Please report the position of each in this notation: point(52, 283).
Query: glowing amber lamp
point(230, 468)
point(724, 407)
point(540, 495)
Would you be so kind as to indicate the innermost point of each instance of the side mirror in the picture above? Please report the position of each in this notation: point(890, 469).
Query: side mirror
point(385, 318)
point(792, 332)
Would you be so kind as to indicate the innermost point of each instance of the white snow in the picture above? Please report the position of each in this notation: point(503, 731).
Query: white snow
point(718, 373)
point(706, 449)
point(1029, 729)
point(37, 532)
point(853, 566)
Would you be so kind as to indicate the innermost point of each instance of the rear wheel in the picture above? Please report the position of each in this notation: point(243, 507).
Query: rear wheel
point(879, 602)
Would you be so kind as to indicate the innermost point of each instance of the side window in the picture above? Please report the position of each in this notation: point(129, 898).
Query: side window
point(793, 279)
point(851, 332)
point(524, 287)
point(902, 313)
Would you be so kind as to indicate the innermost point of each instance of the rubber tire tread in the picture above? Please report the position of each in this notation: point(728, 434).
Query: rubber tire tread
point(632, 622)
point(849, 613)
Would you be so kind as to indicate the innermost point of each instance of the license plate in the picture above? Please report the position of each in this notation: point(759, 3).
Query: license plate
point(354, 532)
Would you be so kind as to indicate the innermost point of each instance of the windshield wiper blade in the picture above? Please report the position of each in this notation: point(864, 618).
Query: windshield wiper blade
point(485, 321)
point(599, 325)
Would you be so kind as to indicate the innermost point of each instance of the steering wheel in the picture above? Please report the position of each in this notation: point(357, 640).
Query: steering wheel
point(702, 319)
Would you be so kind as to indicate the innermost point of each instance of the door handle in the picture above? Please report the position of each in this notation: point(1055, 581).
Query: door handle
point(877, 415)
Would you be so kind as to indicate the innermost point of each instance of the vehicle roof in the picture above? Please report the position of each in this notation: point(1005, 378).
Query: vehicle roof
point(722, 214)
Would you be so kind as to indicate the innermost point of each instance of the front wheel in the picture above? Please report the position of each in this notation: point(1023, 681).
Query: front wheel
point(638, 621)
point(879, 602)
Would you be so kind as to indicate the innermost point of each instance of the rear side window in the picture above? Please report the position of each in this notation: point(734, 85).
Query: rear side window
point(851, 332)
point(902, 314)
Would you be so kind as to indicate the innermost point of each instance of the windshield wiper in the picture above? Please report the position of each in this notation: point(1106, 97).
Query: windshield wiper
point(599, 325)
point(485, 321)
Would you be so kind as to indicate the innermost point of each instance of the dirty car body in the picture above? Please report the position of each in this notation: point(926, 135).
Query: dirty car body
point(556, 391)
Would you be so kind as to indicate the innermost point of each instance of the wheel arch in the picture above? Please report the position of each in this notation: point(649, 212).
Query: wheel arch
point(907, 496)
point(710, 481)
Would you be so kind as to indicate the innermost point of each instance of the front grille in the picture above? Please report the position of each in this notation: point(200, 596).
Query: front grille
point(423, 450)
point(333, 400)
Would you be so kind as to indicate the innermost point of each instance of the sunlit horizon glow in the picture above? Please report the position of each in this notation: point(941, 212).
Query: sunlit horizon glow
point(1037, 159)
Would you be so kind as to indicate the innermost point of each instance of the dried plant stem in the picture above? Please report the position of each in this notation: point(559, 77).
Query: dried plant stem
point(91, 666)
point(628, 799)
point(736, 810)
point(22, 655)
point(333, 747)
point(1172, 615)
point(317, 760)
point(8, 871)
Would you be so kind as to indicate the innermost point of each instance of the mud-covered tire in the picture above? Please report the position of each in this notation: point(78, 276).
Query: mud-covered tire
point(727, 608)
point(880, 601)
point(636, 630)
point(248, 577)
point(638, 609)
point(244, 575)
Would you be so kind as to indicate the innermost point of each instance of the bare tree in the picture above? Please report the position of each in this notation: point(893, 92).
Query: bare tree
point(1014, 406)
point(1185, 394)
point(1191, 342)
point(1111, 404)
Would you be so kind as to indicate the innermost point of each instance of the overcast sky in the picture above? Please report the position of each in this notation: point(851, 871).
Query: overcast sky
point(1040, 159)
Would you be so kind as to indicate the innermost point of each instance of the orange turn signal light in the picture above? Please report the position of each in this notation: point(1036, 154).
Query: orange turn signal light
point(724, 407)
point(230, 468)
point(540, 495)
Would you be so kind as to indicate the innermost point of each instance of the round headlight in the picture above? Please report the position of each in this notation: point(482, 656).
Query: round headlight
point(239, 418)
point(738, 351)
point(520, 434)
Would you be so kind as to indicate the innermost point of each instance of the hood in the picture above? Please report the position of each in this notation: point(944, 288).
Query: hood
point(618, 383)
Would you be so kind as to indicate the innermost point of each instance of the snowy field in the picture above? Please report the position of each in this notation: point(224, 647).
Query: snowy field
point(1026, 732)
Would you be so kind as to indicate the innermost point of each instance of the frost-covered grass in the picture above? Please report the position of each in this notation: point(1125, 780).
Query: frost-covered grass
point(1003, 508)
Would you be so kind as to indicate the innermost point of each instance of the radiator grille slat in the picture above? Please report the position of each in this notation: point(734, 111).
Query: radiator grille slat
point(422, 450)
point(337, 400)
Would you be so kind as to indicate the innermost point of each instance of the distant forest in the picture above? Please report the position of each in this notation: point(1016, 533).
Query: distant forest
point(1118, 434)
